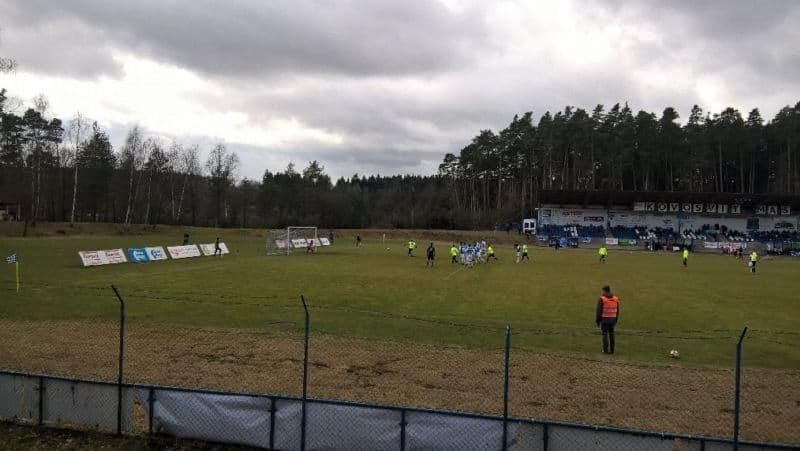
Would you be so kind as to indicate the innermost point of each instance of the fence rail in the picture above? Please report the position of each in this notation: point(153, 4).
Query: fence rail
point(129, 376)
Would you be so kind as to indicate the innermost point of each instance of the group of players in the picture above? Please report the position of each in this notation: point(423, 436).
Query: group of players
point(469, 254)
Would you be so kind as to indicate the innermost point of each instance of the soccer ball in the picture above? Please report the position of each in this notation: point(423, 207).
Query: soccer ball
point(674, 354)
point(387, 248)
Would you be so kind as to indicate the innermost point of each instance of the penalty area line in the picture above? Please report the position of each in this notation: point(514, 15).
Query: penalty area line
point(457, 270)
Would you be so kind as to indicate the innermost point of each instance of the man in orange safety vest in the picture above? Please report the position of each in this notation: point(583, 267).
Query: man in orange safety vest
point(606, 318)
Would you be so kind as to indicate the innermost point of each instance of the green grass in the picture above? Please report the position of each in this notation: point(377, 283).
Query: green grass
point(376, 293)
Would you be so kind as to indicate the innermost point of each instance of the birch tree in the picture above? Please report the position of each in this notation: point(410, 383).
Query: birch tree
point(76, 130)
point(132, 157)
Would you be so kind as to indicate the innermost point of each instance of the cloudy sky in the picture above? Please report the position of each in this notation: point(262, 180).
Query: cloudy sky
point(380, 86)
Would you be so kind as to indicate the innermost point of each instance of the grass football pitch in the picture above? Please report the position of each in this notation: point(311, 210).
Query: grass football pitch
point(377, 292)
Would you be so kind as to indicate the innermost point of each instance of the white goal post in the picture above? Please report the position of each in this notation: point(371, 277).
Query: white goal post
point(294, 237)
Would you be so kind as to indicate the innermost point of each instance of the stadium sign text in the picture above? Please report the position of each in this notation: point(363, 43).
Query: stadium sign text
point(102, 257)
point(187, 251)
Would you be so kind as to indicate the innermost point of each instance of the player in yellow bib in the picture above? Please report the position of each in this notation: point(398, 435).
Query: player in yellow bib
point(453, 254)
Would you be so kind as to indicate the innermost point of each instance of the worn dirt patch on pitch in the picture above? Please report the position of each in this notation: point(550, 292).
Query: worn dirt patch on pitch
point(601, 391)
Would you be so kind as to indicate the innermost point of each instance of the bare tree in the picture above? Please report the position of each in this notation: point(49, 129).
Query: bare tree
point(77, 127)
point(174, 172)
point(156, 163)
point(189, 163)
point(37, 136)
point(133, 154)
point(222, 166)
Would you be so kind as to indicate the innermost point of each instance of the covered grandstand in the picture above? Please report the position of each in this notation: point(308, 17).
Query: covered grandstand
point(668, 219)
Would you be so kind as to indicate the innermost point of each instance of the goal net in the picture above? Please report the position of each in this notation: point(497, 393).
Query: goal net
point(294, 239)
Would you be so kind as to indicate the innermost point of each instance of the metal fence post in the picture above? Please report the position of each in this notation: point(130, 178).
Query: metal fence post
point(121, 358)
point(151, 398)
point(505, 387)
point(402, 429)
point(271, 423)
point(545, 437)
point(305, 377)
point(40, 420)
point(736, 394)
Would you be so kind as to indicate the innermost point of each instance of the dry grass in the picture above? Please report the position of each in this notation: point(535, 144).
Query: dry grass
point(602, 391)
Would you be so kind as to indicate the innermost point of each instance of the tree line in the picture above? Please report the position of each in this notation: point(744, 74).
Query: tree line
point(69, 171)
point(615, 150)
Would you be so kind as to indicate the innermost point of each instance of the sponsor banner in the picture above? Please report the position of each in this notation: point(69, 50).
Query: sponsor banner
point(612, 241)
point(711, 208)
point(593, 219)
point(728, 246)
point(687, 208)
point(639, 206)
point(736, 209)
point(627, 242)
point(586, 240)
point(711, 245)
point(761, 210)
point(187, 251)
point(674, 207)
point(784, 225)
point(280, 244)
point(697, 208)
point(662, 207)
point(138, 255)
point(722, 208)
point(102, 257)
point(156, 253)
point(786, 210)
point(772, 210)
point(650, 206)
point(325, 241)
point(542, 238)
point(299, 243)
point(316, 242)
point(208, 248)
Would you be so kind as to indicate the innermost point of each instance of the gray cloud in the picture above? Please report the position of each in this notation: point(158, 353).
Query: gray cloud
point(252, 38)
point(405, 82)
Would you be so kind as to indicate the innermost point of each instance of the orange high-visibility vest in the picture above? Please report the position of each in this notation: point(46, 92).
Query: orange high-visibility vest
point(610, 306)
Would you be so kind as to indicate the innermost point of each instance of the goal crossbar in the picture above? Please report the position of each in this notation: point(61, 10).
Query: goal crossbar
point(294, 237)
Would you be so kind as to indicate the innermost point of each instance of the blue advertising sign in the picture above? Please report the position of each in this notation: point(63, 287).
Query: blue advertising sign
point(138, 255)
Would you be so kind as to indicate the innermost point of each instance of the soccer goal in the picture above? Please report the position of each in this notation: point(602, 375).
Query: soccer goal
point(294, 238)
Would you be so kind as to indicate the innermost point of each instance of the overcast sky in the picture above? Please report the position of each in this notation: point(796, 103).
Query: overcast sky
point(386, 87)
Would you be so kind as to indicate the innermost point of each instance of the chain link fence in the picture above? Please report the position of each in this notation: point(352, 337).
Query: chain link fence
point(392, 375)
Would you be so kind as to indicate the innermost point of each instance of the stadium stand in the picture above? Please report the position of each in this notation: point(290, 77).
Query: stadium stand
point(624, 232)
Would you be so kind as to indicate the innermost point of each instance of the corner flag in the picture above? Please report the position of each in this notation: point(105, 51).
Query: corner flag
point(12, 260)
